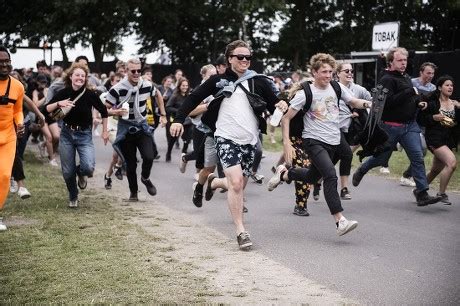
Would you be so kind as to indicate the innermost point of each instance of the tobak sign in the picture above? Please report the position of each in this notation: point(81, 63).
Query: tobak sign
point(385, 36)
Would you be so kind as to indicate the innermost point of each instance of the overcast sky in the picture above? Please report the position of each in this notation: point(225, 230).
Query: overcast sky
point(25, 58)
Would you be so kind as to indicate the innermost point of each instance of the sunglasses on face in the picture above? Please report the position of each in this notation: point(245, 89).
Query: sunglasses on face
point(240, 57)
point(347, 70)
point(134, 71)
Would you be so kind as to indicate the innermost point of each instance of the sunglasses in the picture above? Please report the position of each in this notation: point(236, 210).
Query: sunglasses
point(347, 70)
point(240, 57)
point(134, 71)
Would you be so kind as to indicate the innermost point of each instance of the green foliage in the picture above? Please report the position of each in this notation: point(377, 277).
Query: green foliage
point(198, 31)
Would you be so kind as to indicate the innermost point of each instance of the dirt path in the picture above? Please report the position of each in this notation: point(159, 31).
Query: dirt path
point(234, 276)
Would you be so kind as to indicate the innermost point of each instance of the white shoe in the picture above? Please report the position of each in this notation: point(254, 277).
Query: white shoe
point(2, 225)
point(408, 182)
point(276, 178)
point(54, 163)
point(384, 170)
point(13, 186)
point(346, 226)
point(96, 133)
point(23, 193)
point(73, 204)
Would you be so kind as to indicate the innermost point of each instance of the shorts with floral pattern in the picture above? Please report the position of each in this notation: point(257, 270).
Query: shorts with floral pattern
point(232, 154)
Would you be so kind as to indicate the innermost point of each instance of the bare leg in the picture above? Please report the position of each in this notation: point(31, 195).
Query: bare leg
point(447, 157)
point(235, 183)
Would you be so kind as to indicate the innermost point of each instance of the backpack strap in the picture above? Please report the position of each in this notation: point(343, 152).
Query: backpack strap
point(338, 91)
point(309, 95)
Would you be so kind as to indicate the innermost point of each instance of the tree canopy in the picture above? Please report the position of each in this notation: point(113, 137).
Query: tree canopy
point(198, 31)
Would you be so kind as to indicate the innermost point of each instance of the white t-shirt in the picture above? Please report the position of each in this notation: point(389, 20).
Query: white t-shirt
point(321, 121)
point(236, 120)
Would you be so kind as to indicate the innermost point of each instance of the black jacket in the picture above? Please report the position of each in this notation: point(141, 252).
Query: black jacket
point(401, 102)
point(262, 87)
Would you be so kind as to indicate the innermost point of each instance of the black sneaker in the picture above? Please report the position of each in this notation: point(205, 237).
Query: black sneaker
point(118, 173)
point(108, 182)
point(82, 181)
point(244, 241)
point(151, 189)
point(424, 199)
point(209, 191)
point(345, 194)
point(316, 190)
point(301, 211)
point(245, 209)
point(197, 198)
point(444, 198)
point(133, 197)
point(357, 177)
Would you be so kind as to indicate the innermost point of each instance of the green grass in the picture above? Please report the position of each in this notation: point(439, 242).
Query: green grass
point(52, 254)
point(398, 162)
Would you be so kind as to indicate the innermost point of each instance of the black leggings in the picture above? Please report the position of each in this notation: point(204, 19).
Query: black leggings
point(321, 155)
point(344, 154)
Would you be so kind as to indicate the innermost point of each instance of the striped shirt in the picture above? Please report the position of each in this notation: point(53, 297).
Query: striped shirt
point(126, 92)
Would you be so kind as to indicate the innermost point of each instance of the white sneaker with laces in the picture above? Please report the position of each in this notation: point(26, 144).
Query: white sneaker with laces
point(23, 193)
point(408, 182)
point(2, 225)
point(276, 178)
point(346, 226)
point(384, 170)
point(13, 186)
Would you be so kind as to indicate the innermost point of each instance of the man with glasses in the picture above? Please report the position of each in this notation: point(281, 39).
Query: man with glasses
point(234, 122)
point(11, 124)
point(398, 121)
point(133, 132)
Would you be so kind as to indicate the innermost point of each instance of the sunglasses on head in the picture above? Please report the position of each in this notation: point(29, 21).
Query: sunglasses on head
point(347, 70)
point(134, 71)
point(240, 57)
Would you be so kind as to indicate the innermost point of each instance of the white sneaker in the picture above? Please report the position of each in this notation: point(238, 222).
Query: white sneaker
point(2, 225)
point(13, 186)
point(384, 170)
point(73, 204)
point(54, 163)
point(409, 182)
point(276, 178)
point(346, 226)
point(23, 193)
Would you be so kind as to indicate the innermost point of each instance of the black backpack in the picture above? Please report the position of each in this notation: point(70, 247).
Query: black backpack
point(296, 124)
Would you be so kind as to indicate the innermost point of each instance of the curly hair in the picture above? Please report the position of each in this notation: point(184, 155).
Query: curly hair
point(69, 72)
point(320, 59)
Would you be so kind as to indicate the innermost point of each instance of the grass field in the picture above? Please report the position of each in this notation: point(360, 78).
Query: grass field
point(53, 254)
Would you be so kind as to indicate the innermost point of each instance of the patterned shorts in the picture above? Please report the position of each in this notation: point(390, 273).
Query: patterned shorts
point(232, 154)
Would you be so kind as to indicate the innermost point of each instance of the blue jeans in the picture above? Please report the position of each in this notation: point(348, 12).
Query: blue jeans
point(408, 136)
point(70, 143)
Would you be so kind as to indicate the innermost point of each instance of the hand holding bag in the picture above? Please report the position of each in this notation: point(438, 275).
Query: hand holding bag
point(60, 112)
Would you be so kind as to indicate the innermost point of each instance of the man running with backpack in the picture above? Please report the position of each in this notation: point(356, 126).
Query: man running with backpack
point(321, 134)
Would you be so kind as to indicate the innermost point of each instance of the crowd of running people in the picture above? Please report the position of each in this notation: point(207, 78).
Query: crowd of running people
point(220, 125)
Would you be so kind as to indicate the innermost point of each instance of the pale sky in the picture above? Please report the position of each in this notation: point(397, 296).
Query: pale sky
point(25, 58)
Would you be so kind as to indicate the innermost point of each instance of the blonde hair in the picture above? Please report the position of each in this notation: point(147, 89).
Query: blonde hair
point(205, 69)
point(134, 61)
point(320, 59)
point(391, 53)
